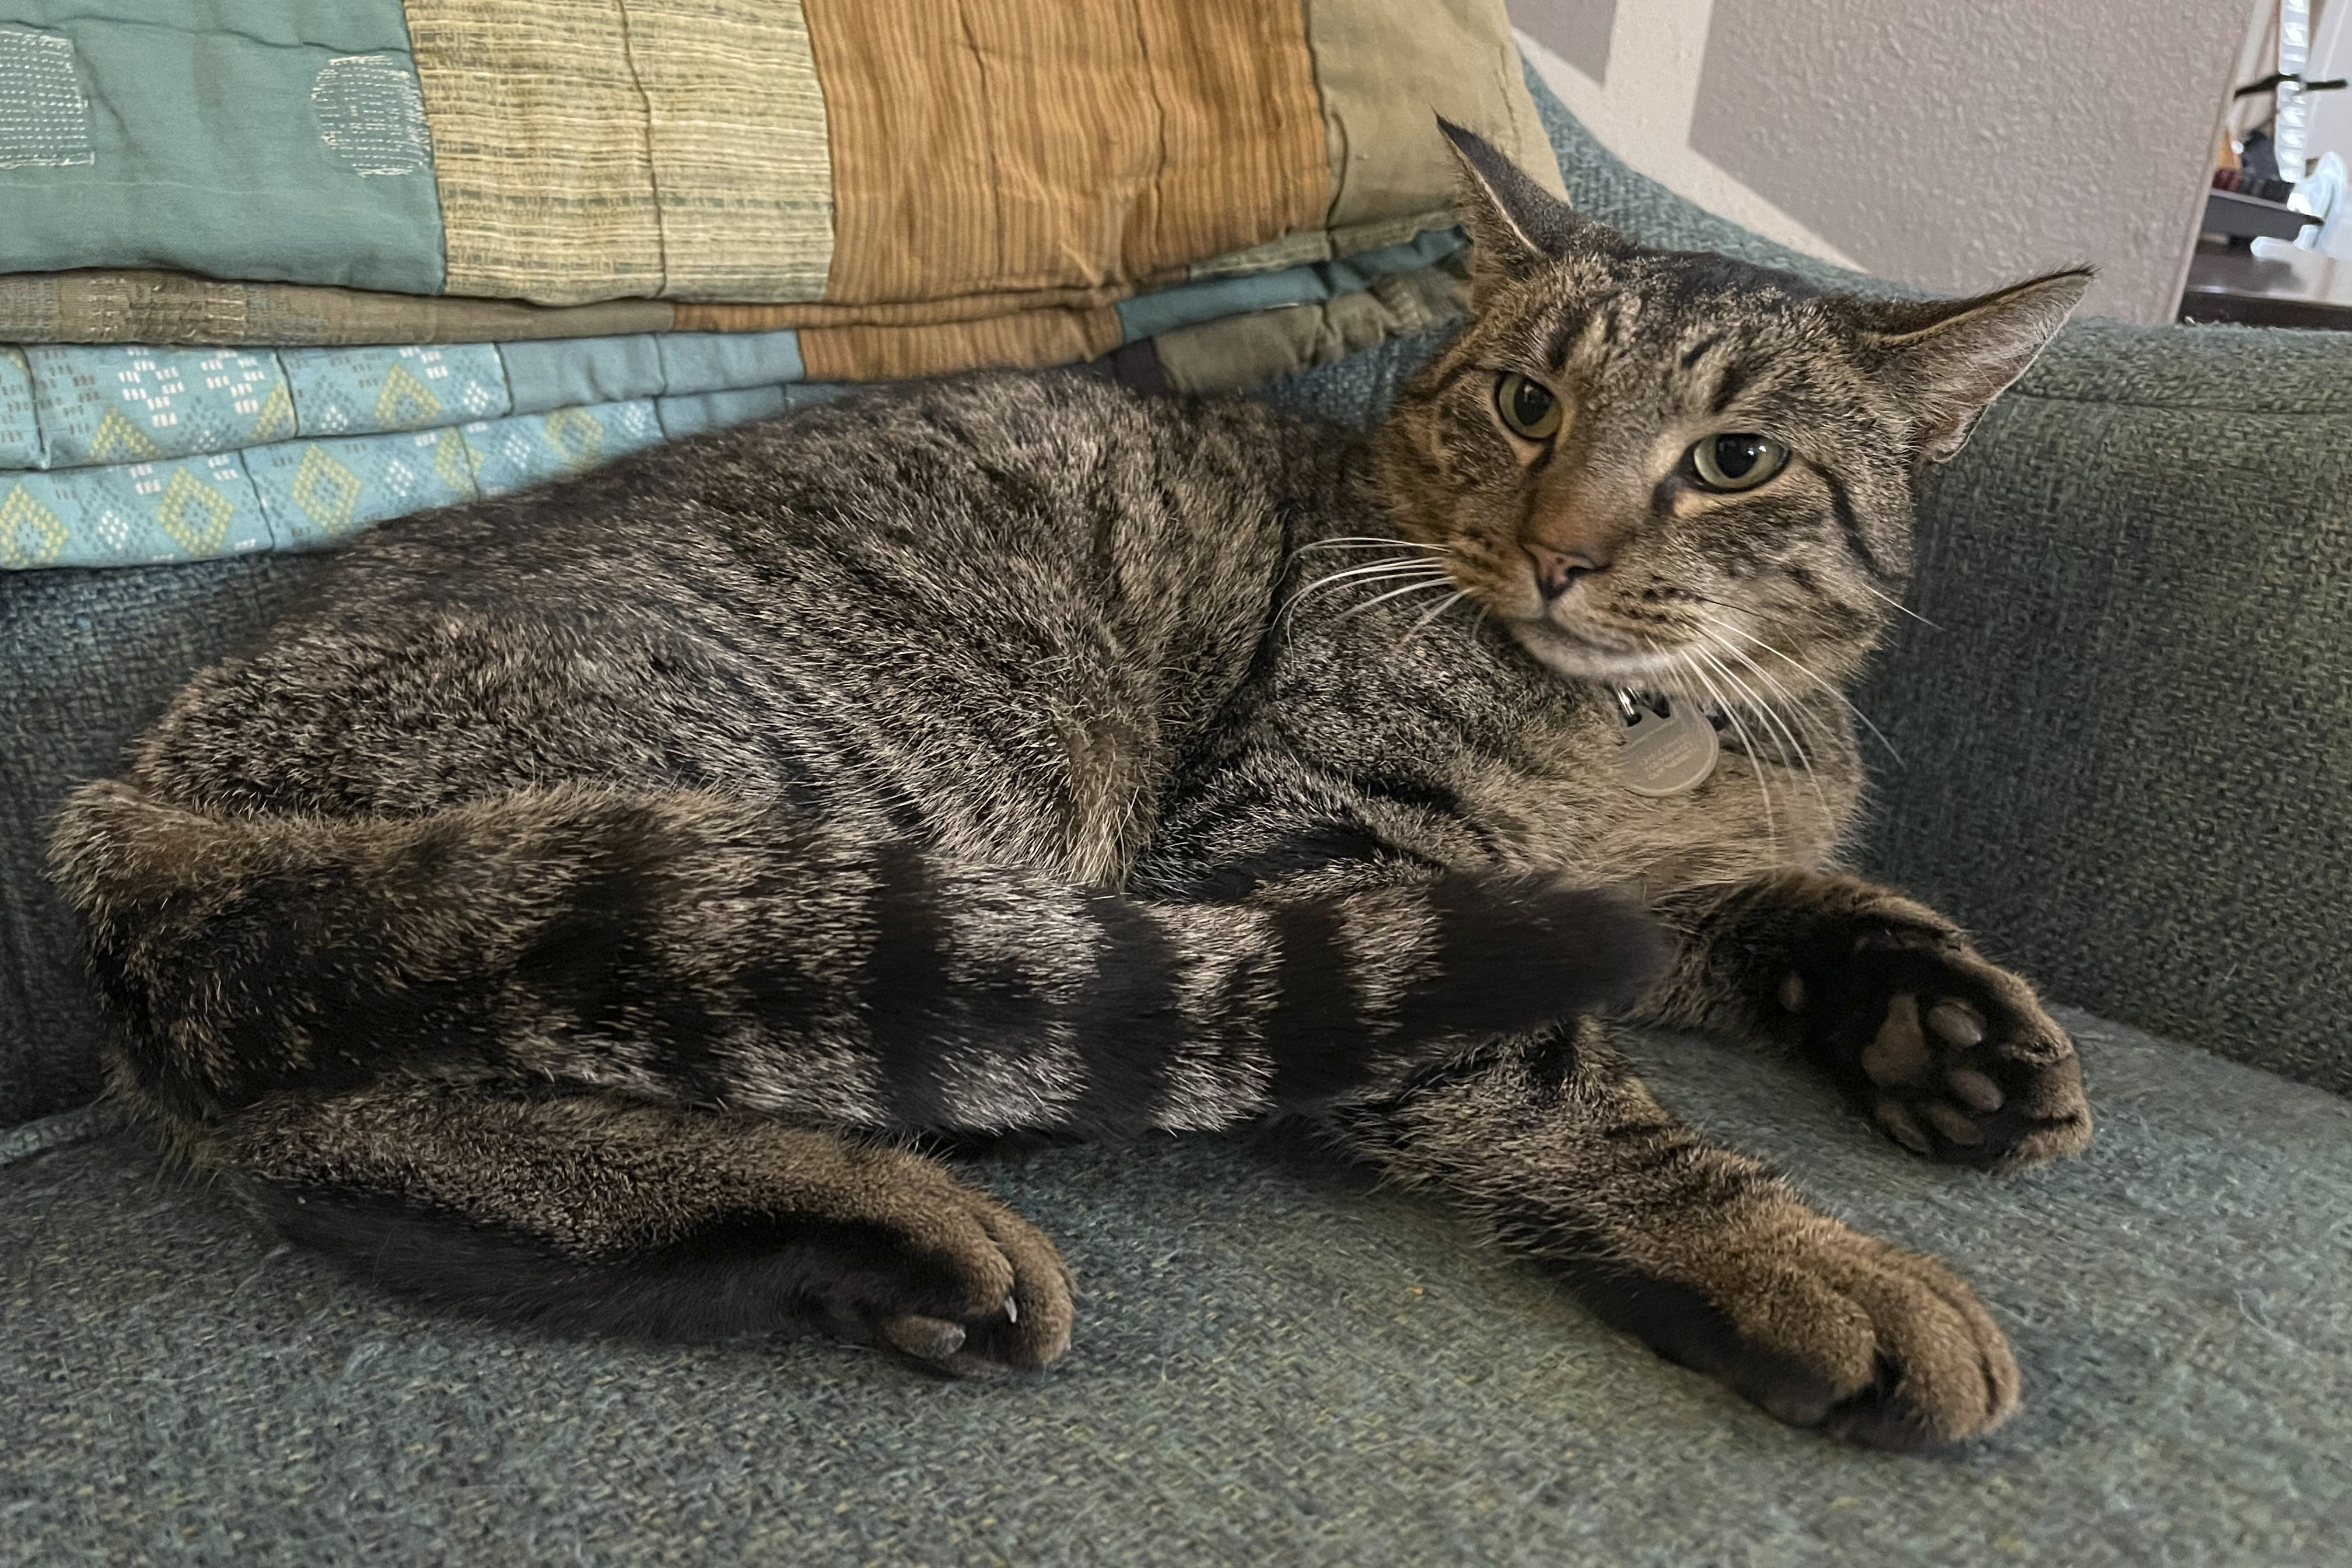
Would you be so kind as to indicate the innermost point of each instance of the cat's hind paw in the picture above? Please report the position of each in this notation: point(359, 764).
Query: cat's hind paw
point(1827, 1329)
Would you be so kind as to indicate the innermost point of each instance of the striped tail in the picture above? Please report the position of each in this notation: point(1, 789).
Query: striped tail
point(696, 949)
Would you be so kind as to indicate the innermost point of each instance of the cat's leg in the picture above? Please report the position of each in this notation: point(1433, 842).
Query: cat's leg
point(587, 1214)
point(1706, 1254)
point(1950, 1054)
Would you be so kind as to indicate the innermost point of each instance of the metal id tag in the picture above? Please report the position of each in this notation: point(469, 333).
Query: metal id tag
point(1665, 756)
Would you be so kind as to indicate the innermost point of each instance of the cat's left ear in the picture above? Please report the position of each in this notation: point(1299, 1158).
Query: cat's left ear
point(1516, 225)
point(1949, 358)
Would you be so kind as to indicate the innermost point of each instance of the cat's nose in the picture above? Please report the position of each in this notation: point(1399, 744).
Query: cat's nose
point(1557, 570)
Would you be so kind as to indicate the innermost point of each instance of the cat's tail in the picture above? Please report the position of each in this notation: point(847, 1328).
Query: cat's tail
point(693, 948)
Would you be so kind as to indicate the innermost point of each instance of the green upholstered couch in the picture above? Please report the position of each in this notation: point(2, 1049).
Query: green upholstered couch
point(2125, 759)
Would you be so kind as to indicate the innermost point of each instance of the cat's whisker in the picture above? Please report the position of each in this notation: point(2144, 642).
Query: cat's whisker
point(1371, 568)
point(1809, 674)
point(1898, 604)
point(1391, 593)
point(1772, 716)
point(1394, 562)
point(1427, 583)
point(1731, 713)
point(1366, 542)
point(1378, 571)
point(1791, 708)
point(1800, 719)
point(1456, 597)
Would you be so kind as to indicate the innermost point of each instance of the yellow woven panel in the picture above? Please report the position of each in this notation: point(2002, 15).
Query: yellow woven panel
point(586, 149)
point(1015, 144)
point(539, 149)
point(743, 176)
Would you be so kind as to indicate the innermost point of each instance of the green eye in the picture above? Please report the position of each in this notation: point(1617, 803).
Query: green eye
point(1529, 409)
point(1739, 462)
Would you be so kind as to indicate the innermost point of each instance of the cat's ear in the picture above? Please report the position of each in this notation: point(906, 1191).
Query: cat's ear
point(1949, 358)
point(1516, 225)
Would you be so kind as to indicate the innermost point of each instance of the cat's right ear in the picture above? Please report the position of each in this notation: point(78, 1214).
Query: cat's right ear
point(1516, 225)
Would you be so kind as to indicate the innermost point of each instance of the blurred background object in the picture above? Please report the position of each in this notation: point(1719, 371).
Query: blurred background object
point(1948, 144)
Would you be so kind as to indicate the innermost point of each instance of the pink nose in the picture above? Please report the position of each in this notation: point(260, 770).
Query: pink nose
point(1557, 570)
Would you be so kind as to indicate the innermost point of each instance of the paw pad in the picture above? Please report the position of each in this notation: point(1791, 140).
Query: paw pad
point(1953, 1058)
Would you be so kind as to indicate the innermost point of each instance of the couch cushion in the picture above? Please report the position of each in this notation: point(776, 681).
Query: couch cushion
point(1272, 1364)
point(86, 659)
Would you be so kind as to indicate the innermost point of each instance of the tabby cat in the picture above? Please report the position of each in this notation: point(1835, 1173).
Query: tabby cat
point(572, 911)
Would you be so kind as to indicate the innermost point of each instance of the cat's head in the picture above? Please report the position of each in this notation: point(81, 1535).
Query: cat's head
point(1643, 460)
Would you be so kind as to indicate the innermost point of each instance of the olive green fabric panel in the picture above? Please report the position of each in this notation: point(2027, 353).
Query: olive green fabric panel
point(1379, 92)
point(1240, 352)
point(148, 307)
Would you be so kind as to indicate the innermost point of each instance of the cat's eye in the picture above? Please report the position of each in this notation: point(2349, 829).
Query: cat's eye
point(1737, 462)
point(1528, 407)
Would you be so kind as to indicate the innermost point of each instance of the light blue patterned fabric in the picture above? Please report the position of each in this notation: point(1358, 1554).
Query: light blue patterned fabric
point(299, 494)
point(127, 455)
point(135, 455)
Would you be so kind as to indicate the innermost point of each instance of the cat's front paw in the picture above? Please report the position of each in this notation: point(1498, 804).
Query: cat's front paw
point(1828, 1329)
point(1953, 1057)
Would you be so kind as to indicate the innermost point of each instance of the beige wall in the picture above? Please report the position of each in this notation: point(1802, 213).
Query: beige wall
point(1951, 143)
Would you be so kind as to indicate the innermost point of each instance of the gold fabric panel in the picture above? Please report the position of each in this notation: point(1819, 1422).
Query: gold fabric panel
point(1062, 146)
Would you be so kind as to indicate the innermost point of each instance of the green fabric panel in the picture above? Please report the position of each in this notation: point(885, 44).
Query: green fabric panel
point(260, 139)
point(563, 373)
point(728, 361)
point(1238, 353)
point(1273, 1365)
point(690, 414)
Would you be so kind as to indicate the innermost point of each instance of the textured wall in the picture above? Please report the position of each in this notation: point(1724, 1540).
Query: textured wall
point(1577, 30)
point(1950, 144)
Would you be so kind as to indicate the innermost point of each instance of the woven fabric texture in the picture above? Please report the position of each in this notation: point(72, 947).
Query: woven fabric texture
point(584, 149)
point(1273, 1365)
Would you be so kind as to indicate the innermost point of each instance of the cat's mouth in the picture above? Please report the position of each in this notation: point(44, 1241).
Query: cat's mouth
point(1588, 655)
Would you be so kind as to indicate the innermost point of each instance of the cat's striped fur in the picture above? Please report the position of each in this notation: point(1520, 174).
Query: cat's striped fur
point(549, 914)
point(691, 946)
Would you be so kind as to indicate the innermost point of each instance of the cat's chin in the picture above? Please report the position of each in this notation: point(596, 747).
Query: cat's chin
point(1565, 653)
